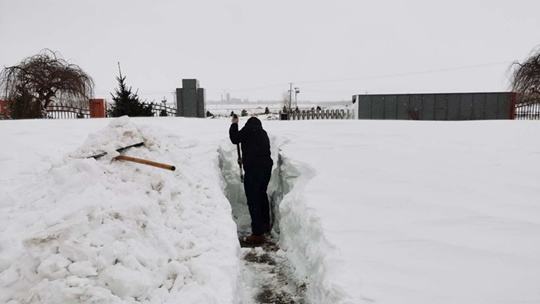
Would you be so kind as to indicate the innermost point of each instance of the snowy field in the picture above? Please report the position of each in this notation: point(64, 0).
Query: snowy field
point(369, 211)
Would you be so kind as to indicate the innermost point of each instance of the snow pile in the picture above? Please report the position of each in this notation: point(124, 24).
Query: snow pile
point(120, 133)
point(90, 231)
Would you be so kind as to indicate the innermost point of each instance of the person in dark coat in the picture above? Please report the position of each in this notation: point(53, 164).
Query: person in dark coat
point(257, 164)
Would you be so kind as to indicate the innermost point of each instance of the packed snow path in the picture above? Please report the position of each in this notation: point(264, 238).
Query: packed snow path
point(267, 276)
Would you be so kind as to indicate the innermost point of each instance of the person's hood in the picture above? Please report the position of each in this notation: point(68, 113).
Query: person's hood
point(253, 123)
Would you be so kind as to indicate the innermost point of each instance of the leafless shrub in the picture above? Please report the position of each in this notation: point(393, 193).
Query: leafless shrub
point(526, 78)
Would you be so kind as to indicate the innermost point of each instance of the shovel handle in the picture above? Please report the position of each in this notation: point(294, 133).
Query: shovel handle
point(240, 162)
point(145, 162)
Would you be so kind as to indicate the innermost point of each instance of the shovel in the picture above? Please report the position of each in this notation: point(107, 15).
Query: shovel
point(135, 159)
point(240, 162)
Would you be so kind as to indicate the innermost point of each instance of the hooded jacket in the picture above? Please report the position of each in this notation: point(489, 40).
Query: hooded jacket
point(255, 144)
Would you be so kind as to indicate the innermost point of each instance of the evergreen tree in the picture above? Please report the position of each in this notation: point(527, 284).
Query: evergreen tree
point(266, 110)
point(126, 102)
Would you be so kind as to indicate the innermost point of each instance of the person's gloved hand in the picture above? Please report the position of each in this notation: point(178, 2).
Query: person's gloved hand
point(234, 118)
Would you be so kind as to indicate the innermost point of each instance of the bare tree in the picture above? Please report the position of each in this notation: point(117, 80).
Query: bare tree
point(46, 78)
point(526, 78)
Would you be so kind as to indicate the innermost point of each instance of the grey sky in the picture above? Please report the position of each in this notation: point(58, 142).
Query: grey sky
point(253, 48)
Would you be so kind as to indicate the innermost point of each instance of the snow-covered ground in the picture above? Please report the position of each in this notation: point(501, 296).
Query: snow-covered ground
point(416, 212)
point(372, 211)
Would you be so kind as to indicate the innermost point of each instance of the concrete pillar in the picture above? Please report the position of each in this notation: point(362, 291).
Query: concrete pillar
point(190, 99)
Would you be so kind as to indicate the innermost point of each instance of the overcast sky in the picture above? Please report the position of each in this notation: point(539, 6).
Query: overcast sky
point(253, 48)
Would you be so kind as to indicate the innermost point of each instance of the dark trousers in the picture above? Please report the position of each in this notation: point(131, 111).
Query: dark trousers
point(255, 184)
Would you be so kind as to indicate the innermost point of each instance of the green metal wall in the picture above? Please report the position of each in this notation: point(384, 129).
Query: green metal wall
point(451, 106)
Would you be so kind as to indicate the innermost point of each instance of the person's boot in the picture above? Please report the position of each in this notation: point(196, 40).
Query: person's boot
point(268, 230)
point(252, 240)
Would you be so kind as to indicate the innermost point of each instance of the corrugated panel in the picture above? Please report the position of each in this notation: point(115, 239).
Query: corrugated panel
point(478, 106)
point(364, 107)
point(441, 107)
point(377, 107)
point(416, 107)
point(403, 106)
point(390, 107)
point(492, 107)
point(454, 106)
point(503, 105)
point(428, 101)
point(466, 107)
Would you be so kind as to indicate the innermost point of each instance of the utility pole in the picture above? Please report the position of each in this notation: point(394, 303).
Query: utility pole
point(296, 91)
point(290, 96)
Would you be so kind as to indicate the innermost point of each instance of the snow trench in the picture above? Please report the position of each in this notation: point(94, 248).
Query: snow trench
point(305, 262)
point(267, 276)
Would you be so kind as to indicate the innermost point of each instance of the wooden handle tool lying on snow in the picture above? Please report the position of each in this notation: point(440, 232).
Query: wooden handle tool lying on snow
point(135, 159)
point(145, 162)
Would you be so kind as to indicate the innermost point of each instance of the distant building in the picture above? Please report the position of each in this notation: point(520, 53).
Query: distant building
point(190, 99)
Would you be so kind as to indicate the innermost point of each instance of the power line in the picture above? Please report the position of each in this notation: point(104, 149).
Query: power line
point(259, 87)
point(393, 75)
point(365, 77)
point(404, 74)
